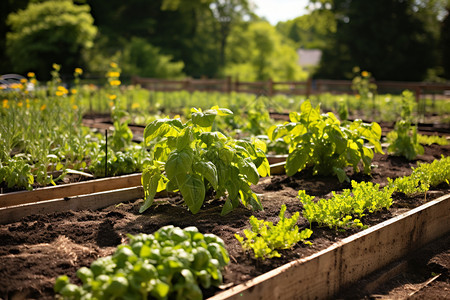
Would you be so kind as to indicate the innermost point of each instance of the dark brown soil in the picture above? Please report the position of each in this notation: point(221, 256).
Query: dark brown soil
point(34, 251)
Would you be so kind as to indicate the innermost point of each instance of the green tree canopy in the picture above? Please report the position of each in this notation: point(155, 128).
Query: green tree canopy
point(393, 39)
point(309, 31)
point(141, 58)
point(259, 52)
point(49, 32)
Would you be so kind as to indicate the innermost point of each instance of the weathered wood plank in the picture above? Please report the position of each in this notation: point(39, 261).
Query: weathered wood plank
point(323, 274)
point(90, 201)
point(69, 190)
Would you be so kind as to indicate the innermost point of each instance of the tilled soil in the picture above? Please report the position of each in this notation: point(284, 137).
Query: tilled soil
point(34, 251)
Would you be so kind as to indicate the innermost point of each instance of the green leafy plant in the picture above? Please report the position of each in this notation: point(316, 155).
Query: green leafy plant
point(432, 139)
point(264, 238)
point(16, 173)
point(326, 144)
point(404, 142)
point(362, 84)
point(341, 210)
point(190, 158)
point(423, 177)
point(170, 264)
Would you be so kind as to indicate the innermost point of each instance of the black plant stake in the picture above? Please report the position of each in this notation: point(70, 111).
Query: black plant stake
point(106, 152)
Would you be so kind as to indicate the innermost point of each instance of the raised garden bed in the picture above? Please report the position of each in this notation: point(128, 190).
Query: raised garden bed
point(38, 248)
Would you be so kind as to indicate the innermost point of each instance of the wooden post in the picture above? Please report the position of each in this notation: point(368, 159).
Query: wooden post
point(270, 87)
point(228, 85)
point(308, 87)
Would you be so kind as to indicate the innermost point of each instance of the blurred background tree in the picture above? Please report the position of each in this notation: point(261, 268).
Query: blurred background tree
point(256, 51)
point(51, 31)
point(393, 39)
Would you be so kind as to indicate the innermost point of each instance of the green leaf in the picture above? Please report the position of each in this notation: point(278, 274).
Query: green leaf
point(162, 128)
point(150, 181)
point(296, 160)
point(264, 168)
point(193, 192)
point(340, 173)
point(221, 111)
point(248, 168)
point(227, 208)
point(204, 119)
point(179, 162)
point(207, 170)
point(184, 139)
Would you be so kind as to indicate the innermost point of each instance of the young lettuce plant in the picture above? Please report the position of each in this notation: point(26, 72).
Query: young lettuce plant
point(326, 144)
point(341, 210)
point(265, 238)
point(190, 158)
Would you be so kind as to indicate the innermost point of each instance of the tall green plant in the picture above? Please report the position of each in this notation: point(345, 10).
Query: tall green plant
point(192, 159)
point(321, 141)
point(404, 139)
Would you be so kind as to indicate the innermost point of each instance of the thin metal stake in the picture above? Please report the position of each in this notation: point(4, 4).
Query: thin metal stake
point(106, 152)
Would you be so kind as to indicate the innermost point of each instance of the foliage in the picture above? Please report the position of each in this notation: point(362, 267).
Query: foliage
point(326, 144)
point(259, 52)
point(432, 139)
point(192, 159)
point(362, 85)
point(141, 58)
point(422, 139)
point(309, 31)
point(423, 177)
point(405, 143)
point(341, 210)
point(49, 32)
point(119, 163)
point(265, 239)
point(380, 38)
point(170, 264)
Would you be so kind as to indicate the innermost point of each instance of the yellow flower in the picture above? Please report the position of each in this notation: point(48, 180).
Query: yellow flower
point(358, 96)
point(78, 71)
point(30, 74)
point(73, 91)
point(112, 97)
point(61, 91)
point(5, 103)
point(113, 65)
point(43, 107)
point(16, 85)
point(56, 67)
point(115, 82)
point(135, 105)
point(2, 87)
point(365, 74)
point(111, 104)
point(74, 107)
point(23, 80)
point(113, 74)
point(33, 81)
point(20, 104)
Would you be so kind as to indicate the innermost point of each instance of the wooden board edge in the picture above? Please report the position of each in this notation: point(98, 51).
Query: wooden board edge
point(80, 202)
point(70, 190)
point(323, 274)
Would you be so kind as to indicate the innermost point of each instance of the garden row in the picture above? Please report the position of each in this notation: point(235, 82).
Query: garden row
point(45, 142)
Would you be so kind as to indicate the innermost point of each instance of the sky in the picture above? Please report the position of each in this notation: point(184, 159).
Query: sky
point(280, 10)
